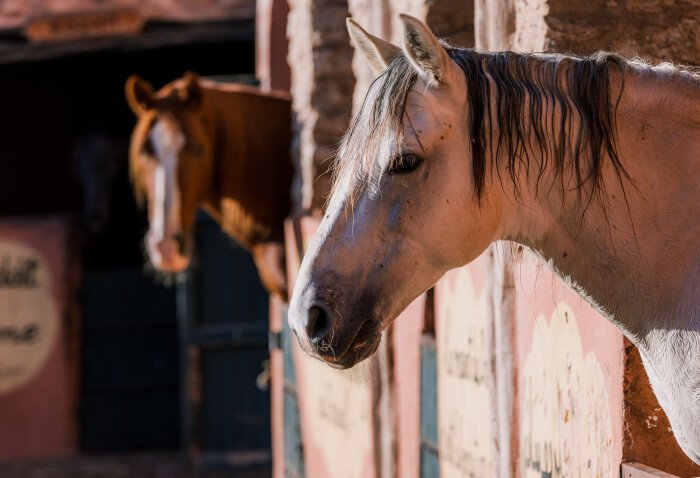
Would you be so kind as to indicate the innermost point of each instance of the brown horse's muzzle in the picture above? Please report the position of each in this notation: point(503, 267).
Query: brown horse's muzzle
point(168, 254)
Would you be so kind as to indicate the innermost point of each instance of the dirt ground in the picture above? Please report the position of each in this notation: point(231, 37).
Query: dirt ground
point(151, 465)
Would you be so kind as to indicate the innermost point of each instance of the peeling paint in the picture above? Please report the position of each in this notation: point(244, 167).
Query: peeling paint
point(464, 344)
point(566, 426)
point(337, 424)
point(29, 319)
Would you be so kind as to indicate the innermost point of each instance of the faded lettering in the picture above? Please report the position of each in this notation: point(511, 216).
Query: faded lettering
point(29, 320)
point(18, 272)
point(566, 429)
point(464, 387)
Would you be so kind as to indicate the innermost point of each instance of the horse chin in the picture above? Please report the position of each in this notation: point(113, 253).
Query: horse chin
point(350, 359)
point(176, 265)
point(166, 256)
point(167, 271)
point(362, 347)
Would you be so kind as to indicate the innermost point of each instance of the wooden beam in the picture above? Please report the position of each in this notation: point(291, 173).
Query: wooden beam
point(154, 35)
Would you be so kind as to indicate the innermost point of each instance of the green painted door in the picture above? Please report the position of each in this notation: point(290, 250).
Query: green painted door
point(293, 446)
point(429, 454)
point(224, 344)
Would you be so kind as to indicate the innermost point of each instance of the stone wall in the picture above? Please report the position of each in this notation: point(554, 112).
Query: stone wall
point(658, 30)
point(320, 59)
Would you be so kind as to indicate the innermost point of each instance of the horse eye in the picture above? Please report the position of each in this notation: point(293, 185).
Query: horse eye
point(404, 163)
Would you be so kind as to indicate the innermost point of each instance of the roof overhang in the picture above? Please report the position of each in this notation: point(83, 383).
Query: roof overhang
point(60, 27)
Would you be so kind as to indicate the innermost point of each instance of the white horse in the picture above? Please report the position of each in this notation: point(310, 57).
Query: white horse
point(593, 163)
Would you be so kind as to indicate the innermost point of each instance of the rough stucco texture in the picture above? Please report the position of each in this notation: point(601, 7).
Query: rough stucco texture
point(660, 30)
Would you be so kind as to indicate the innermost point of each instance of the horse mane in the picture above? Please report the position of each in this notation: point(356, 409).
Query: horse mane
point(512, 99)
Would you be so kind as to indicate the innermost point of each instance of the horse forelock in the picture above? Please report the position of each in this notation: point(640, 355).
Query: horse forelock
point(376, 132)
point(512, 100)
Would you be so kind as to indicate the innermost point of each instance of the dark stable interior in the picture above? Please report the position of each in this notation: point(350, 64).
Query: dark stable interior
point(130, 395)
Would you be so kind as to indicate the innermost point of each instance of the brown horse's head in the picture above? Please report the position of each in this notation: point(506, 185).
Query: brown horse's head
point(201, 143)
point(171, 161)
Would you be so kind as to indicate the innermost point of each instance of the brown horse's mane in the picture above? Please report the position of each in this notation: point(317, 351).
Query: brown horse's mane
point(511, 99)
point(250, 134)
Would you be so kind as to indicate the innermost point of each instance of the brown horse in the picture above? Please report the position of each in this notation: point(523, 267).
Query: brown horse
point(222, 147)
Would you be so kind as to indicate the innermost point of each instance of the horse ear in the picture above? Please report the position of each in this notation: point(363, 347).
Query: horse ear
point(424, 50)
point(191, 92)
point(378, 52)
point(139, 94)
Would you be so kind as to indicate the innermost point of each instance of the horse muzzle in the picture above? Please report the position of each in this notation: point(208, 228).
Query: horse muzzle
point(323, 333)
point(168, 254)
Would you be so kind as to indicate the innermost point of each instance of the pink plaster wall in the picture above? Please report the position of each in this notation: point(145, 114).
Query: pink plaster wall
point(407, 331)
point(537, 293)
point(40, 418)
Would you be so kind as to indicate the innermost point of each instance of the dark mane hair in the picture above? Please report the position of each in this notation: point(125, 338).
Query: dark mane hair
point(512, 99)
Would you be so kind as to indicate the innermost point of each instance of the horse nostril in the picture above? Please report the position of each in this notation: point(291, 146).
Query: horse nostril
point(318, 324)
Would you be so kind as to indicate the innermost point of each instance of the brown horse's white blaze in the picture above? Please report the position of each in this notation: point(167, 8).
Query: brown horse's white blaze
point(165, 240)
point(592, 162)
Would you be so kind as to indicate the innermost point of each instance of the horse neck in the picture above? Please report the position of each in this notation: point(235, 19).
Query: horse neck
point(218, 106)
point(634, 250)
point(250, 184)
point(210, 121)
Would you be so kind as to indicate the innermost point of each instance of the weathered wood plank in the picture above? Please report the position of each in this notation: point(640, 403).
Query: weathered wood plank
point(156, 35)
point(23, 12)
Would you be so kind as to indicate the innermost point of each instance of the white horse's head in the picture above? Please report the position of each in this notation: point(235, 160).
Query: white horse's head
point(404, 209)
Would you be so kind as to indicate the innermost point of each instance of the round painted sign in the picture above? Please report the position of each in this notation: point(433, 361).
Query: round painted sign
point(29, 319)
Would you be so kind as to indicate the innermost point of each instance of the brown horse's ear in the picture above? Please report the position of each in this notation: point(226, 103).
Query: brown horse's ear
point(377, 52)
point(139, 94)
point(424, 50)
point(191, 91)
